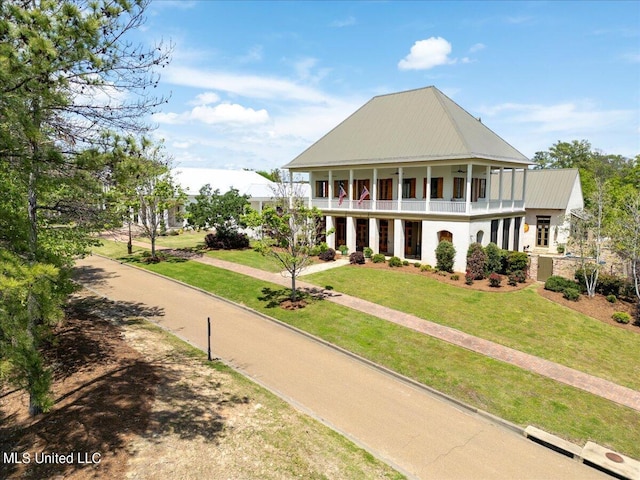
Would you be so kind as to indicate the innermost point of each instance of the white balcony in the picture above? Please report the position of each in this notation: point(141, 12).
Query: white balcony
point(454, 207)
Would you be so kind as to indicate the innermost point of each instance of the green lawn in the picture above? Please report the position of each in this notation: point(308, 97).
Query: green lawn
point(504, 390)
point(522, 320)
point(248, 257)
point(184, 240)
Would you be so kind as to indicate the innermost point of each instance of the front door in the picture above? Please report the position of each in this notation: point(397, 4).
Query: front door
point(341, 231)
point(362, 234)
point(384, 237)
point(412, 233)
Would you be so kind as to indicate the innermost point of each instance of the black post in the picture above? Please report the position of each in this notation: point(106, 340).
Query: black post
point(209, 338)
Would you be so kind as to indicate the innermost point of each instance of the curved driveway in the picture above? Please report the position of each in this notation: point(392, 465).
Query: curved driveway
point(418, 433)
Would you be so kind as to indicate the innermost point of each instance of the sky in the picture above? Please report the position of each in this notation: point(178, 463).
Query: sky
point(253, 84)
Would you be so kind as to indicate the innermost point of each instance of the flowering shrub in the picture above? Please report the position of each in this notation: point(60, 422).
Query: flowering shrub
point(468, 278)
point(476, 261)
point(495, 280)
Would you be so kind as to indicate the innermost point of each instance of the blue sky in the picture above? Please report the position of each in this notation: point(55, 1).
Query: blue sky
point(253, 84)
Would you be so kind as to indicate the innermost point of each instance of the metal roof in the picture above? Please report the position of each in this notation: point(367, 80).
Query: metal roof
point(245, 181)
point(546, 188)
point(413, 126)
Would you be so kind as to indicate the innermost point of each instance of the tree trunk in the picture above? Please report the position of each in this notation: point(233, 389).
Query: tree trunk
point(293, 285)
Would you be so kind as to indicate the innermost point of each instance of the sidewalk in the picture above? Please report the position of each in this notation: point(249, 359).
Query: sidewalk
point(416, 432)
point(569, 376)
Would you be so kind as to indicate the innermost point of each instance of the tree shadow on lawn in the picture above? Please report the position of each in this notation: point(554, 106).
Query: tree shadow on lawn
point(281, 297)
point(104, 392)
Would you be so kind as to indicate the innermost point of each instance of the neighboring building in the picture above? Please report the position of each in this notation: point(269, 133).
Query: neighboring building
point(410, 169)
point(553, 198)
point(247, 182)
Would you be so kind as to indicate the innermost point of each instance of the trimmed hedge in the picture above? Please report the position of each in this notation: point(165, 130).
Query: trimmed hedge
point(556, 283)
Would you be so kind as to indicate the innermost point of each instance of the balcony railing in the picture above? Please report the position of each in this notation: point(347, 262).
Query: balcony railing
point(420, 206)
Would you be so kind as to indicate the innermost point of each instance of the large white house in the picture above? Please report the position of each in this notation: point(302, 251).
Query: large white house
point(410, 169)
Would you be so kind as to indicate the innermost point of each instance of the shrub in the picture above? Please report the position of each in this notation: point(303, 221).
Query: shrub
point(517, 261)
point(426, 268)
point(405, 263)
point(315, 251)
point(228, 240)
point(343, 249)
point(445, 255)
point(556, 283)
point(494, 258)
point(621, 317)
point(571, 293)
point(377, 258)
point(395, 262)
point(455, 277)
point(356, 258)
point(328, 256)
point(611, 299)
point(367, 252)
point(468, 278)
point(417, 264)
point(476, 261)
point(495, 280)
point(520, 276)
point(512, 280)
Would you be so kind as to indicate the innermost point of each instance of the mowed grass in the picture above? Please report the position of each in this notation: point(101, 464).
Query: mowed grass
point(522, 320)
point(248, 257)
point(184, 240)
point(501, 389)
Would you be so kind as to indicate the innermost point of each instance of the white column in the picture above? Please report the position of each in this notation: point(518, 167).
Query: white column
point(400, 189)
point(427, 194)
point(487, 192)
point(467, 206)
point(331, 239)
point(350, 190)
point(374, 235)
point(374, 193)
point(398, 238)
point(501, 183)
point(351, 234)
point(330, 190)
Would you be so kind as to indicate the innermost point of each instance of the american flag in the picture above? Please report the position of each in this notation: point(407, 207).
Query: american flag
point(342, 194)
point(364, 194)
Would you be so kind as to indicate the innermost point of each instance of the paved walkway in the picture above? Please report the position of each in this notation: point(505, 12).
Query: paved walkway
point(569, 376)
point(413, 430)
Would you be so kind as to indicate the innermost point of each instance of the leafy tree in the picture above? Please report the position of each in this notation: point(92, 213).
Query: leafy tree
point(625, 236)
point(588, 237)
point(67, 74)
point(31, 301)
point(157, 192)
point(222, 212)
point(289, 231)
point(445, 256)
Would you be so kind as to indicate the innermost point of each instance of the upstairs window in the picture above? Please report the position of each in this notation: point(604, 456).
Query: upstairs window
point(458, 187)
point(408, 188)
point(322, 188)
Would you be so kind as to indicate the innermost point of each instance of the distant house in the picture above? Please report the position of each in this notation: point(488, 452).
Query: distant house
point(552, 199)
point(410, 169)
point(247, 182)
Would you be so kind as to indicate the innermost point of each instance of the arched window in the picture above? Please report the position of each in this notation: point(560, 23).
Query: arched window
point(479, 237)
point(445, 235)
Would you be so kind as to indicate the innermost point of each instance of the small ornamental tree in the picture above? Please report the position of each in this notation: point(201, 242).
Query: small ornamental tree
point(445, 256)
point(289, 231)
point(476, 261)
point(517, 261)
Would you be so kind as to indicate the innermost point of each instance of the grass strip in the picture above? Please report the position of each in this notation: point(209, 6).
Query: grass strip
point(522, 320)
point(509, 392)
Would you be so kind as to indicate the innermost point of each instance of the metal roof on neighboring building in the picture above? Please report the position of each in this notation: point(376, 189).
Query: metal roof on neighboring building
point(412, 126)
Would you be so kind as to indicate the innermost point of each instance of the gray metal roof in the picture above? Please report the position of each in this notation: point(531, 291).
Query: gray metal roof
point(413, 126)
point(546, 188)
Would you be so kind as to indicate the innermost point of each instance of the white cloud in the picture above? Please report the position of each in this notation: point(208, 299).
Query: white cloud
point(477, 47)
point(426, 54)
point(224, 113)
point(253, 55)
point(206, 98)
point(535, 127)
point(346, 22)
point(250, 86)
